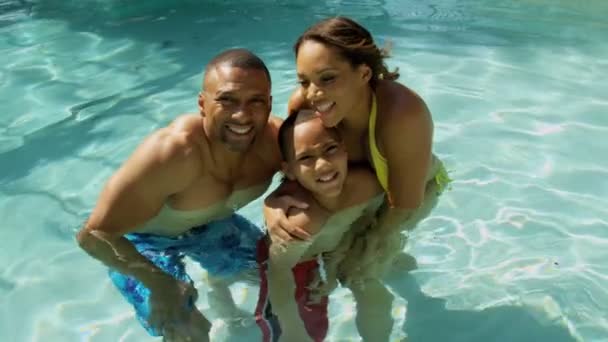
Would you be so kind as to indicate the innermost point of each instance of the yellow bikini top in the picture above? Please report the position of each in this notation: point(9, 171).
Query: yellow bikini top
point(378, 160)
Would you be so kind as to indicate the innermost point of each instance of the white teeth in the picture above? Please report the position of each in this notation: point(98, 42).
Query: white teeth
point(240, 129)
point(324, 107)
point(327, 177)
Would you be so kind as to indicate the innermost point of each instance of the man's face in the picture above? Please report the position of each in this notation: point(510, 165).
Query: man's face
point(236, 103)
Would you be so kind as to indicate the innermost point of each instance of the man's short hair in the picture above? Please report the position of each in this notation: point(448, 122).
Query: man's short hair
point(239, 58)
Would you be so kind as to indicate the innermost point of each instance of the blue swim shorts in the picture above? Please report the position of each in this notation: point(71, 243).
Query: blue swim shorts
point(224, 248)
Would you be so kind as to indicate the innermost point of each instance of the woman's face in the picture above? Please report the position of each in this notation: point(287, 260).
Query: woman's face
point(329, 82)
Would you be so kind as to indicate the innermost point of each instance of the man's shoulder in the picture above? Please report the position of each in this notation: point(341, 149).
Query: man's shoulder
point(167, 158)
point(268, 136)
point(274, 123)
point(268, 147)
point(188, 125)
point(180, 140)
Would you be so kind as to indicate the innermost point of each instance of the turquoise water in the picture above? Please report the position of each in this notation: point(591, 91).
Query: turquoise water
point(516, 251)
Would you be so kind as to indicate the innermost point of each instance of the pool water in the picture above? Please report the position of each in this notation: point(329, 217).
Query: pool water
point(517, 250)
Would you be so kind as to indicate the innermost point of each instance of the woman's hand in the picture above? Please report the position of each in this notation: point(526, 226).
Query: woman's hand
point(275, 213)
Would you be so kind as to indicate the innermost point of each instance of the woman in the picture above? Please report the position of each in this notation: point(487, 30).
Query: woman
point(384, 124)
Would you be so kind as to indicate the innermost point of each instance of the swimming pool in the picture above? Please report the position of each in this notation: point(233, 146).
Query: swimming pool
point(516, 251)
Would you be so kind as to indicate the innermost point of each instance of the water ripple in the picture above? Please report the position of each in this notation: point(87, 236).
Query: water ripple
point(517, 94)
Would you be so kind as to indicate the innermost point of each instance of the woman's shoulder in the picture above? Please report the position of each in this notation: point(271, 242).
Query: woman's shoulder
point(396, 99)
point(400, 109)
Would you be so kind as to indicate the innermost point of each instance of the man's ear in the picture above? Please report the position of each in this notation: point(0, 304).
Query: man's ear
point(201, 103)
point(287, 171)
point(270, 105)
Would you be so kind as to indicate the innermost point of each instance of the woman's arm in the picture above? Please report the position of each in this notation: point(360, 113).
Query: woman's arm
point(406, 139)
point(276, 206)
point(297, 101)
point(407, 143)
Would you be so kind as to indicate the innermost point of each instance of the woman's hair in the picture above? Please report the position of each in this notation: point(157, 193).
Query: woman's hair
point(353, 42)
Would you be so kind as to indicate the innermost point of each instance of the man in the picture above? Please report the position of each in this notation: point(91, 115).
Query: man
point(176, 195)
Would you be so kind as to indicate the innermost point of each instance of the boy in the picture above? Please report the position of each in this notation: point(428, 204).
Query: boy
point(340, 200)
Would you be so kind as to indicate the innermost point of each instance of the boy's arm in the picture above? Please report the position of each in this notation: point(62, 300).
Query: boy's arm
point(362, 186)
point(281, 284)
point(282, 288)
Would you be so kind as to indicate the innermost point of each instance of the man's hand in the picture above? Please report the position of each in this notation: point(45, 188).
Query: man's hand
point(171, 302)
point(275, 214)
point(195, 330)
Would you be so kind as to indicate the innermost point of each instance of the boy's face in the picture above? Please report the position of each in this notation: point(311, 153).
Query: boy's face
point(318, 159)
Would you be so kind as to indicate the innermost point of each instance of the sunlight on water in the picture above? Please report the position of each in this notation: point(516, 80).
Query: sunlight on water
point(516, 251)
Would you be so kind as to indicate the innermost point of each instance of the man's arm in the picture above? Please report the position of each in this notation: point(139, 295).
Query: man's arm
point(162, 165)
point(271, 153)
point(159, 167)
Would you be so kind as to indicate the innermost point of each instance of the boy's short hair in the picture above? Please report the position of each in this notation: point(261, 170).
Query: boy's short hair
point(285, 135)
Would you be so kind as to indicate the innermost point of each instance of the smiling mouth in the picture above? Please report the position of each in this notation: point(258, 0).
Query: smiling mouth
point(325, 107)
point(239, 129)
point(328, 177)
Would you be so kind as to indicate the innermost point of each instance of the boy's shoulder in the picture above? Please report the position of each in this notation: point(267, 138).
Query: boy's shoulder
point(361, 186)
